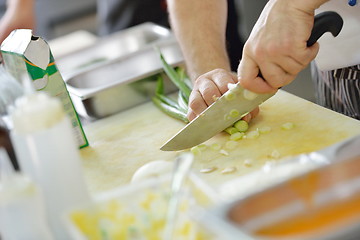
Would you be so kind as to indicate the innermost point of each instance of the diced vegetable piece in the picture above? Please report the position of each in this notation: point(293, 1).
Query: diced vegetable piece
point(241, 125)
point(275, 154)
point(208, 170)
point(234, 113)
point(265, 129)
point(202, 147)
point(231, 130)
point(237, 136)
point(231, 144)
point(288, 126)
point(252, 134)
point(229, 170)
point(215, 146)
point(249, 95)
point(248, 163)
point(195, 150)
point(231, 86)
point(223, 152)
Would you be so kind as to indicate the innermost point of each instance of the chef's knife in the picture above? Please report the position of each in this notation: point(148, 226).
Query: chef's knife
point(237, 102)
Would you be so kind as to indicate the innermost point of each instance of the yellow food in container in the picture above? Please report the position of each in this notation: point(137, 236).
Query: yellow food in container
point(139, 212)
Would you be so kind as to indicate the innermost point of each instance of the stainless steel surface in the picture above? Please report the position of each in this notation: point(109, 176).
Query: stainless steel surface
point(214, 119)
point(322, 185)
point(103, 79)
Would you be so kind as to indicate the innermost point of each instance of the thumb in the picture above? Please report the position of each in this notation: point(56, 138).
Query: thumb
point(249, 77)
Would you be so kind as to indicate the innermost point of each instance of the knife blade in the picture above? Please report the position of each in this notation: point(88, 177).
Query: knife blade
point(236, 103)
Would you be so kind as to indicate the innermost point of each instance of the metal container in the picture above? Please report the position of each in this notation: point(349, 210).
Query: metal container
point(115, 73)
point(323, 203)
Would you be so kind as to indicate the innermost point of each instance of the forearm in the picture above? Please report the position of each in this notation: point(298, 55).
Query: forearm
point(19, 14)
point(200, 29)
point(20, 6)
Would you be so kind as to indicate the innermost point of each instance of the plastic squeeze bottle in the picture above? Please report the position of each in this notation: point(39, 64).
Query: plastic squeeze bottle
point(47, 152)
point(22, 213)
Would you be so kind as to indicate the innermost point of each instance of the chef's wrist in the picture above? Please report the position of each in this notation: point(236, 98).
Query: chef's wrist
point(308, 5)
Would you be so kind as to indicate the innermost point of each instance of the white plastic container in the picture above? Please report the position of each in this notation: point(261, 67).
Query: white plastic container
point(47, 151)
point(22, 213)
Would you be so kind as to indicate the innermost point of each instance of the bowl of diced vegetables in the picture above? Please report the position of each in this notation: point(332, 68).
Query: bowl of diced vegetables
point(138, 211)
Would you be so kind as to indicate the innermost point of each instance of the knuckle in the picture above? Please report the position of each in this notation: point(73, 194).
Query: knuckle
point(196, 104)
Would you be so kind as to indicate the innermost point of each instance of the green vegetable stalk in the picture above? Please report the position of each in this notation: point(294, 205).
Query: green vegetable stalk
point(174, 108)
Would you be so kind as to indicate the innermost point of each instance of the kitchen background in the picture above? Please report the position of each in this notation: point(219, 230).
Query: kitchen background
point(57, 18)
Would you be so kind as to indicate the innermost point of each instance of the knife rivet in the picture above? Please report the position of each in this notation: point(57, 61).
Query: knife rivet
point(352, 2)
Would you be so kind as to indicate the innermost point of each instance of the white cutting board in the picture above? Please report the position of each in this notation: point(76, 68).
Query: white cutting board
point(122, 143)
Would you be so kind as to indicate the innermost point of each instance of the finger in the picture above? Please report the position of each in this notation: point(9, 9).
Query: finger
point(209, 91)
point(191, 115)
point(248, 72)
point(247, 117)
point(253, 114)
point(222, 78)
point(196, 102)
point(309, 54)
point(275, 75)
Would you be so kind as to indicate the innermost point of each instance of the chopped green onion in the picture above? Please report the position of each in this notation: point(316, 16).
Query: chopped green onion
point(223, 152)
point(231, 130)
point(233, 87)
point(208, 170)
point(265, 129)
point(237, 136)
point(252, 134)
point(231, 144)
point(275, 154)
point(202, 147)
point(228, 170)
point(288, 126)
point(215, 146)
point(241, 125)
point(195, 150)
point(248, 163)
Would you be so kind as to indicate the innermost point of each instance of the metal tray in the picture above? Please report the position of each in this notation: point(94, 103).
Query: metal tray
point(113, 74)
point(328, 185)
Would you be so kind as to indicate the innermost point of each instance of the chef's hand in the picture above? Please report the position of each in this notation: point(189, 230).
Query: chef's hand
point(207, 88)
point(19, 14)
point(277, 46)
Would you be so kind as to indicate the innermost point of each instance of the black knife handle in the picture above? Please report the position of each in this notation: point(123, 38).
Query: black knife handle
point(325, 22)
point(328, 21)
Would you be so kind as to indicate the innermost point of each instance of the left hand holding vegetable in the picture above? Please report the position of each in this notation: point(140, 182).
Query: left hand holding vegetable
point(207, 88)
